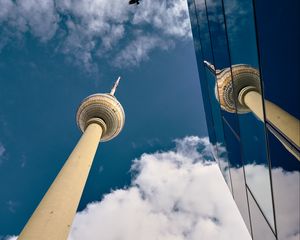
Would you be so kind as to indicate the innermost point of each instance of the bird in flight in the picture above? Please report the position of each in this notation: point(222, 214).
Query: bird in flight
point(134, 2)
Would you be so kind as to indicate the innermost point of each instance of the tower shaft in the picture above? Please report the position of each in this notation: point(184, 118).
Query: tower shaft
point(54, 215)
point(279, 118)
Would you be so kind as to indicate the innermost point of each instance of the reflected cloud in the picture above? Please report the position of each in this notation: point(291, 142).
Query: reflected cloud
point(286, 196)
point(286, 192)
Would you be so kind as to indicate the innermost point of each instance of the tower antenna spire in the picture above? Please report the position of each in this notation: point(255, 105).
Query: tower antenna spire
point(113, 90)
point(210, 66)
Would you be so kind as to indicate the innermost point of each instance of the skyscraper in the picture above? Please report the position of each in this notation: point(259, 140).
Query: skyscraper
point(248, 61)
point(100, 117)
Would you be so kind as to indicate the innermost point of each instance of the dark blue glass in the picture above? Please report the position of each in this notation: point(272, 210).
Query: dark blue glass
point(220, 48)
point(204, 52)
point(241, 34)
point(279, 36)
point(201, 70)
point(204, 31)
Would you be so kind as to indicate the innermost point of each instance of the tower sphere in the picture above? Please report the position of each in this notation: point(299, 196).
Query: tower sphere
point(232, 90)
point(104, 109)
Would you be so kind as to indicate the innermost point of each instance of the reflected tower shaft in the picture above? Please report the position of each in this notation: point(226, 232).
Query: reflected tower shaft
point(238, 90)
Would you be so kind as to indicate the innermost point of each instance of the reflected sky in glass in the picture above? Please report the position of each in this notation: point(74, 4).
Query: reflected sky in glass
point(241, 49)
point(279, 37)
point(271, 45)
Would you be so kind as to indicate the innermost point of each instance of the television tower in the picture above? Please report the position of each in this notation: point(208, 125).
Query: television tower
point(238, 90)
point(101, 118)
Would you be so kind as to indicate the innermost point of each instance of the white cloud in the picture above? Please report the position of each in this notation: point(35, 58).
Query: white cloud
point(180, 194)
point(6, 8)
point(2, 152)
point(12, 205)
point(139, 49)
point(174, 195)
point(10, 238)
point(169, 16)
point(91, 30)
point(40, 16)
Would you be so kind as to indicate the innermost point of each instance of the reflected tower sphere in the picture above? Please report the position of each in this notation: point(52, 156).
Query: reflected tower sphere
point(233, 83)
point(238, 90)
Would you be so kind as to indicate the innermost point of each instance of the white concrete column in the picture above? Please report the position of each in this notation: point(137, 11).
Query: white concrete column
point(54, 215)
point(282, 120)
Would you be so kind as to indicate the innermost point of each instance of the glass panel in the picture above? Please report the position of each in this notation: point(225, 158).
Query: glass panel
point(241, 32)
point(286, 189)
point(279, 36)
point(243, 55)
point(208, 81)
point(220, 148)
point(201, 70)
point(221, 55)
point(204, 30)
point(260, 228)
point(256, 164)
point(237, 174)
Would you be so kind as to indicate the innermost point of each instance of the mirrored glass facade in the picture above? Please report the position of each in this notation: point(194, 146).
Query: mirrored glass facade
point(248, 60)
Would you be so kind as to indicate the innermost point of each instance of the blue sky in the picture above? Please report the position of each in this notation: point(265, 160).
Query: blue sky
point(55, 53)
